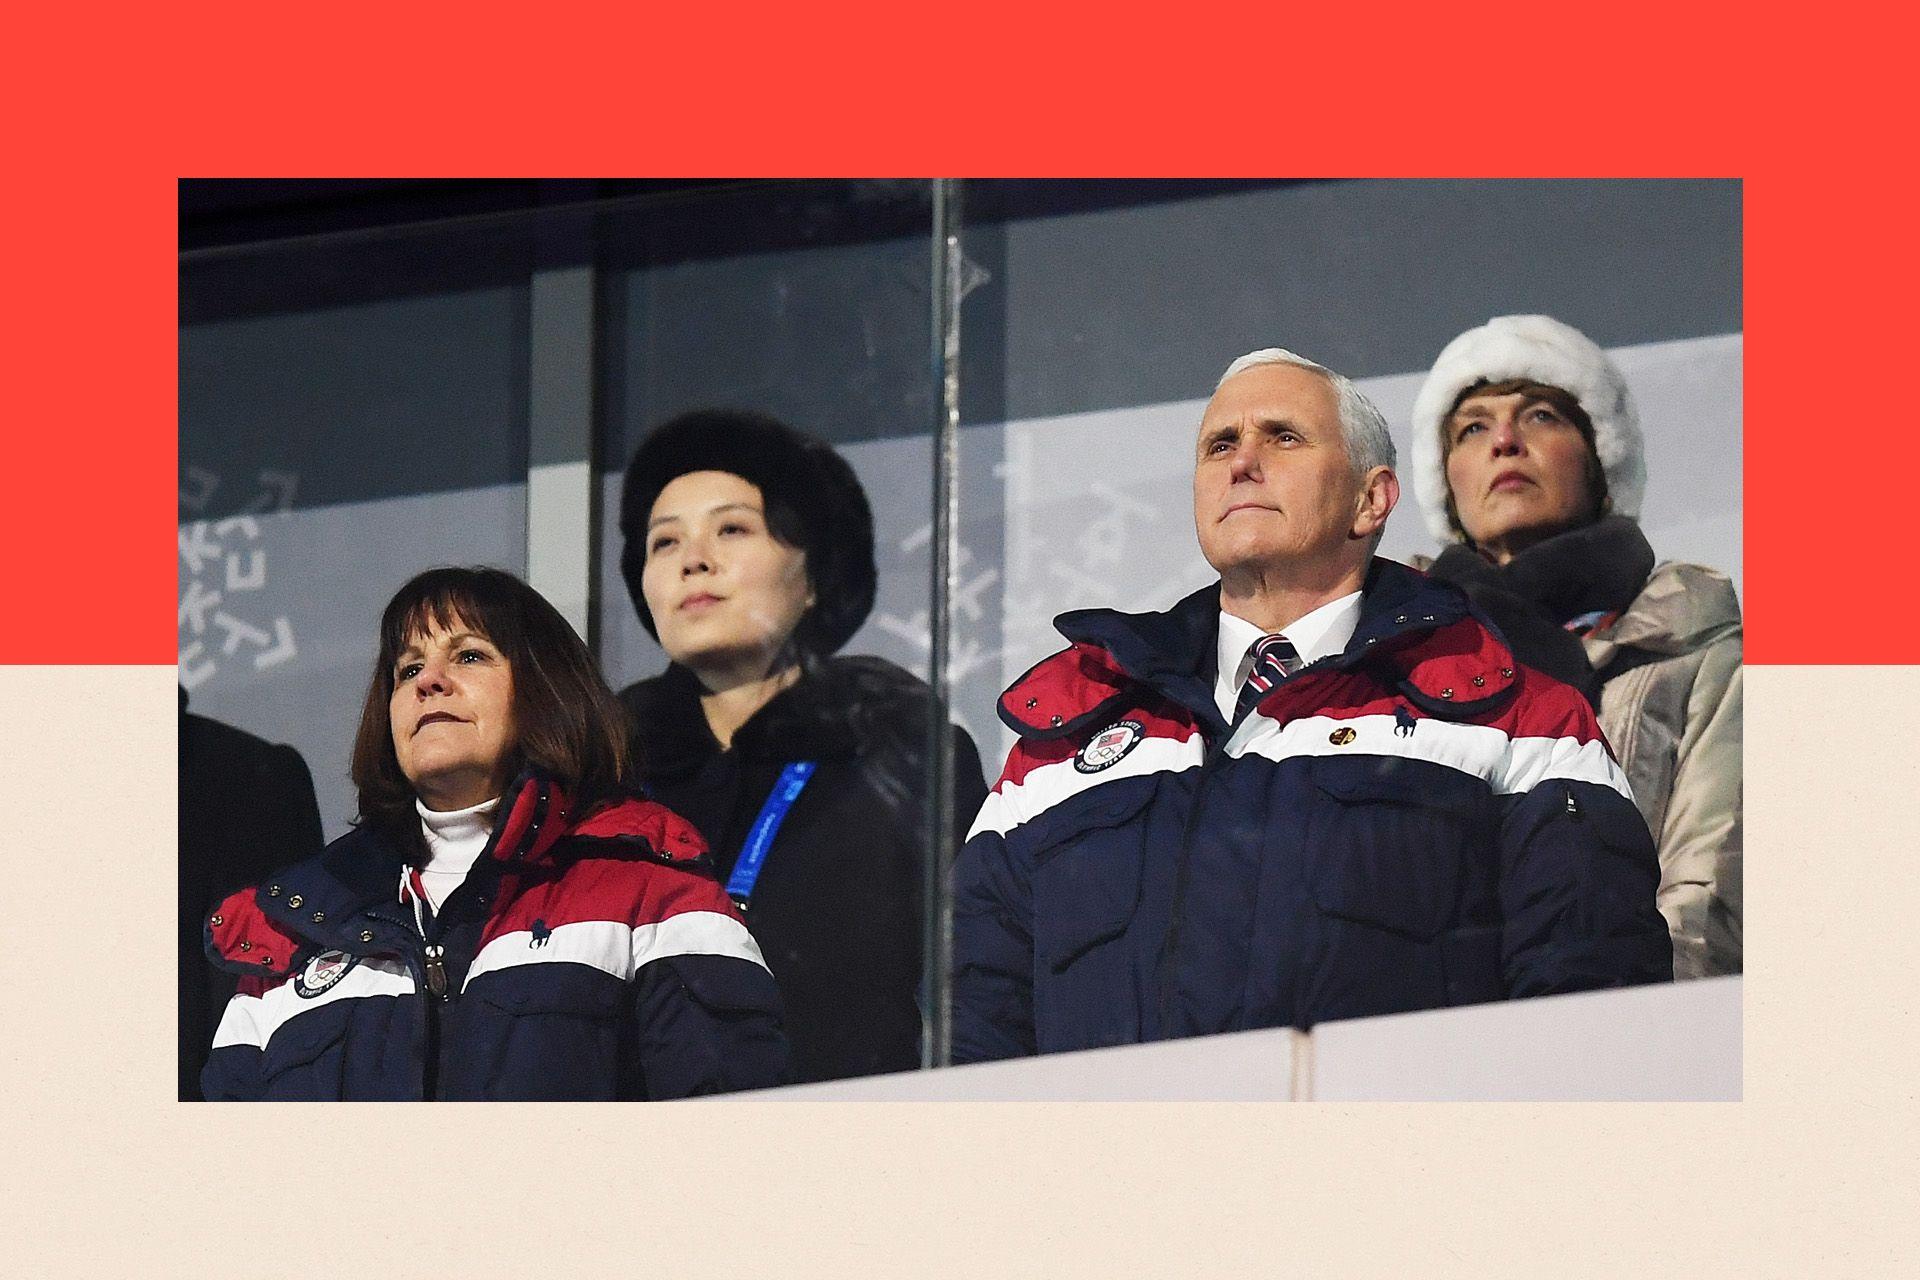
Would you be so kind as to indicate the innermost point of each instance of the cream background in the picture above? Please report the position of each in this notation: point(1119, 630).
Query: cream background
point(105, 1175)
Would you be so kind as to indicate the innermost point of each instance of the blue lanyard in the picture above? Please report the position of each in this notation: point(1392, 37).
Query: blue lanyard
point(793, 779)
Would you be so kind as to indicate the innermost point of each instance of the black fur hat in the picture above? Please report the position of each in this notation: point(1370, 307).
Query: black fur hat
point(813, 501)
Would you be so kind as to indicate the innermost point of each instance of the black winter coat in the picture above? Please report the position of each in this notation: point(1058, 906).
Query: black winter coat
point(246, 807)
point(837, 908)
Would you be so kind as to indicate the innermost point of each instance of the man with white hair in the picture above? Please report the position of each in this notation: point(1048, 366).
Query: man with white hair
point(1319, 788)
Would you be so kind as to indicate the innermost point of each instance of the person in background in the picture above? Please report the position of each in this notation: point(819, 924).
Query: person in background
point(749, 556)
point(505, 921)
point(246, 805)
point(1319, 787)
point(1528, 461)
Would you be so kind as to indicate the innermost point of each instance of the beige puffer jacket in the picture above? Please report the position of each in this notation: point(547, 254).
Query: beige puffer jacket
point(1672, 712)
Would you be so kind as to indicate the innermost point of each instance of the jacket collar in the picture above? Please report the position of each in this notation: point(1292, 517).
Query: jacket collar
point(835, 710)
point(1681, 608)
point(1597, 567)
point(345, 897)
point(1170, 651)
point(1420, 634)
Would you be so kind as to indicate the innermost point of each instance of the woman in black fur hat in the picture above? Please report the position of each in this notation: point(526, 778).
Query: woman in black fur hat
point(749, 555)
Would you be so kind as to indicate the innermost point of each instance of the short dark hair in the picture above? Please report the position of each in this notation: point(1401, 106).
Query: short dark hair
point(568, 725)
point(1563, 402)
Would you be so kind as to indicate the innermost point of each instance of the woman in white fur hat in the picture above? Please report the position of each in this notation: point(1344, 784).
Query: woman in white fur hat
point(1528, 464)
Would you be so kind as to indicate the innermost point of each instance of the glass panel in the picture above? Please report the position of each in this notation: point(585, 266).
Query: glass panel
point(1103, 314)
point(1110, 309)
point(353, 409)
point(809, 302)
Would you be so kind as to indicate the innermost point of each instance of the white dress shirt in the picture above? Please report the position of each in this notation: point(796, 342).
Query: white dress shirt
point(1324, 631)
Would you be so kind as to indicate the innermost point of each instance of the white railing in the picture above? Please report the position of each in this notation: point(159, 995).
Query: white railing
point(1669, 1043)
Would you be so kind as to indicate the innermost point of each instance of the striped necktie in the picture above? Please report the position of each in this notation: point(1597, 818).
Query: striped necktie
point(1274, 659)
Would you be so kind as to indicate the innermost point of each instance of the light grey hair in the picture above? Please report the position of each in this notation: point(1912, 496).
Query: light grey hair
point(1362, 426)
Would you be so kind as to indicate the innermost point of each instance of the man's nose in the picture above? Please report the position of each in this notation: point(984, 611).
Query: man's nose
point(1245, 462)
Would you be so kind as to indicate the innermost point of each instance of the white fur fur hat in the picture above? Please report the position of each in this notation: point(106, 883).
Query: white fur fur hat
point(1543, 350)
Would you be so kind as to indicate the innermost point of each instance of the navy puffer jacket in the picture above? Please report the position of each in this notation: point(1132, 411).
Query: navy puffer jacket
point(585, 957)
point(1415, 822)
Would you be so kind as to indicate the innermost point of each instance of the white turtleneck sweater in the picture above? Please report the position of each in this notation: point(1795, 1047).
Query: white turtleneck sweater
point(455, 841)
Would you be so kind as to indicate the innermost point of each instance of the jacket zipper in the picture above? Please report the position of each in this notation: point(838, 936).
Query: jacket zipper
point(1169, 948)
point(433, 969)
point(1209, 768)
point(436, 970)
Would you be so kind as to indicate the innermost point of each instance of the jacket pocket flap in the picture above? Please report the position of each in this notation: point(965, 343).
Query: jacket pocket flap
point(302, 1039)
point(726, 984)
point(1086, 881)
point(1387, 780)
point(574, 990)
point(1097, 809)
point(1388, 846)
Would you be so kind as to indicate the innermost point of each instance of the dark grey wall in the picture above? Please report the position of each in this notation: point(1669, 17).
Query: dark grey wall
point(385, 399)
point(384, 354)
point(1143, 305)
point(820, 325)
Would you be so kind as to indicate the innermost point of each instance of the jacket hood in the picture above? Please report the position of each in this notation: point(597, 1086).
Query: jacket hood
point(1682, 607)
point(336, 899)
point(1422, 633)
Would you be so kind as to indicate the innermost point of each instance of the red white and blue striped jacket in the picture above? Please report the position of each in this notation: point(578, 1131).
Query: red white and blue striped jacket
point(589, 957)
point(1415, 822)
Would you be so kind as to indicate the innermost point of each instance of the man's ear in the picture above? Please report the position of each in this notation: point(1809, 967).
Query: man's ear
point(1379, 495)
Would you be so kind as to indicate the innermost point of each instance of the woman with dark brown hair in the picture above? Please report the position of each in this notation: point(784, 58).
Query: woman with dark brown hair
point(505, 921)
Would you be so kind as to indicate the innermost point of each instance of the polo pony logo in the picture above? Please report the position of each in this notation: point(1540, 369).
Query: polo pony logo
point(541, 934)
point(1403, 722)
